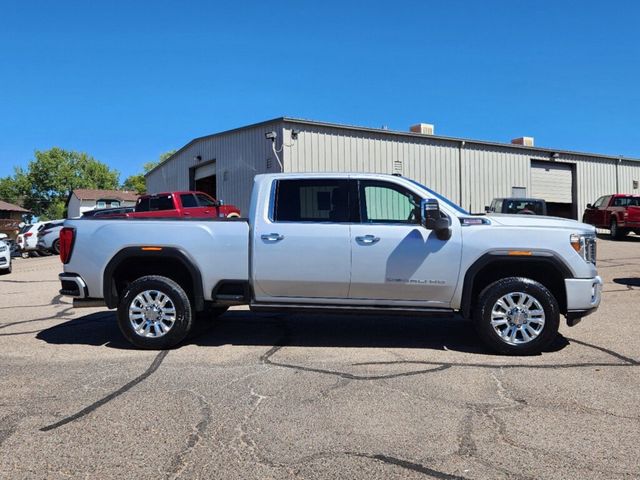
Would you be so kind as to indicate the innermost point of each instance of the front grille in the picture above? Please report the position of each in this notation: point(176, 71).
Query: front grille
point(590, 249)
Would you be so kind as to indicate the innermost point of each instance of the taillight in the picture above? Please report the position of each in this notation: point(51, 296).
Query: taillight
point(28, 234)
point(67, 236)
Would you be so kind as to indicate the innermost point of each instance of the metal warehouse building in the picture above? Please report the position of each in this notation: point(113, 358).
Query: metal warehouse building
point(469, 172)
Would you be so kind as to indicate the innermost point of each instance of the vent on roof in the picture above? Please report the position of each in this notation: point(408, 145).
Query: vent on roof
point(423, 128)
point(526, 141)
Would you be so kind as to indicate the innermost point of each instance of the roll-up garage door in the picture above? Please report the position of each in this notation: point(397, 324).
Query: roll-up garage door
point(205, 171)
point(553, 182)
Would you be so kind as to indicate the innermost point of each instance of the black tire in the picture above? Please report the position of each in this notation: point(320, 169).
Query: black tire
point(614, 230)
point(6, 271)
point(55, 248)
point(490, 296)
point(183, 320)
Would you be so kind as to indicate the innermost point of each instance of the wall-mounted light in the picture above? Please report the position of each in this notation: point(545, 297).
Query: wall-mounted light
point(294, 134)
point(271, 136)
point(555, 156)
point(198, 158)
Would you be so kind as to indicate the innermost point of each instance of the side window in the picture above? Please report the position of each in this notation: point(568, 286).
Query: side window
point(188, 200)
point(498, 206)
point(312, 201)
point(142, 205)
point(600, 202)
point(205, 201)
point(164, 202)
point(101, 204)
point(382, 202)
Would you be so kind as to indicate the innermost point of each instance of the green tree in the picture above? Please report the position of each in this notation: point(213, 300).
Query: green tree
point(137, 182)
point(44, 187)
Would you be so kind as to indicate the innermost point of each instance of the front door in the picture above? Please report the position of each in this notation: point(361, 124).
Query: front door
point(303, 250)
point(394, 257)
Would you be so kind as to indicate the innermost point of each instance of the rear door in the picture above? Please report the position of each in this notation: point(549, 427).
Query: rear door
point(394, 257)
point(302, 250)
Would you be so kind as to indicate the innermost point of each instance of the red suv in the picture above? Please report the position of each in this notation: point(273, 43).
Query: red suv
point(182, 204)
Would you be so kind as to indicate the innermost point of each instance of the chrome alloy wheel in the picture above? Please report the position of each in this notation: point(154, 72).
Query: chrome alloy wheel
point(152, 314)
point(517, 318)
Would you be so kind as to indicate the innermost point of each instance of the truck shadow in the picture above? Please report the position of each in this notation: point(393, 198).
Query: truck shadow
point(255, 329)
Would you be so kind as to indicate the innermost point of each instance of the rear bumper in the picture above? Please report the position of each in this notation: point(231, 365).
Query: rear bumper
point(583, 297)
point(73, 285)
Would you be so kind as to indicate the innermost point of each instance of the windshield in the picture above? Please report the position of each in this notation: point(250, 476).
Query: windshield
point(441, 198)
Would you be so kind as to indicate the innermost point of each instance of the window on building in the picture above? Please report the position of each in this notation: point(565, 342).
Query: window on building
point(312, 201)
point(383, 202)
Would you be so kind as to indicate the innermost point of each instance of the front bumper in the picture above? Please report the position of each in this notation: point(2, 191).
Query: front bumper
point(583, 297)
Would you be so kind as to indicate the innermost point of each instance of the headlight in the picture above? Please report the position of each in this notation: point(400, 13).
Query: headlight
point(585, 245)
point(3, 248)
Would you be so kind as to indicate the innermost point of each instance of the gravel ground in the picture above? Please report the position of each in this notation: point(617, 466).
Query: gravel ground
point(309, 396)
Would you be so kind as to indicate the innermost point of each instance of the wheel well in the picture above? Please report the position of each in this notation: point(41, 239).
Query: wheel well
point(544, 272)
point(133, 268)
point(130, 264)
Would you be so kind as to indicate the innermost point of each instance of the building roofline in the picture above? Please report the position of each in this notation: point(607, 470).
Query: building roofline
point(396, 133)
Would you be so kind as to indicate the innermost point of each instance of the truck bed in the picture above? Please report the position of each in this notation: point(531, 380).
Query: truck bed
point(212, 245)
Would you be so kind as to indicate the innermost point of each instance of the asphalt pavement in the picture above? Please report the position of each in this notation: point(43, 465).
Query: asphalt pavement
point(257, 396)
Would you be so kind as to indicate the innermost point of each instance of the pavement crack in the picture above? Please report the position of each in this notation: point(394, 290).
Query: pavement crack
point(157, 361)
point(179, 462)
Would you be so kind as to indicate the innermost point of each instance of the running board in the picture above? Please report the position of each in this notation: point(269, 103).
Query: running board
point(350, 309)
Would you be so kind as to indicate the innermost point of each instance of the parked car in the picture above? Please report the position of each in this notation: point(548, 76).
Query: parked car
point(348, 243)
point(620, 213)
point(182, 204)
point(5, 258)
point(48, 237)
point(27, 238)
point(527, 206)
point(108, 212)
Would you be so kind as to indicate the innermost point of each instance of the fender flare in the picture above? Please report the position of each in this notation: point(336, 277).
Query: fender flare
point(128, 253)
point(487, 259)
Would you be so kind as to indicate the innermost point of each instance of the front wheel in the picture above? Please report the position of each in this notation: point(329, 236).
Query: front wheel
point(155, 313)
point(616, 232)
point(517, 316)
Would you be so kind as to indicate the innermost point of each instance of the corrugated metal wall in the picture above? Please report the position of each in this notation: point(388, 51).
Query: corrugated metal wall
point(239, 156)
point(468, 173)
point(487, 171)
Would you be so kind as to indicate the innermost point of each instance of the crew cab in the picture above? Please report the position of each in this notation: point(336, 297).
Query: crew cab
point(182, 204)
point(346, 243)
point(620, 213)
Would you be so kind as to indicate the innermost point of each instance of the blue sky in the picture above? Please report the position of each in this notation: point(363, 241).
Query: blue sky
point(126, 81)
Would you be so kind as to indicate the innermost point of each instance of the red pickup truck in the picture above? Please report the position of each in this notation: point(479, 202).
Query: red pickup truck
point(619, 213)
point(181, 204)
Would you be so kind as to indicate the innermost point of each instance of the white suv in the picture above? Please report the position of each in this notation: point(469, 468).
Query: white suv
point(5, 258)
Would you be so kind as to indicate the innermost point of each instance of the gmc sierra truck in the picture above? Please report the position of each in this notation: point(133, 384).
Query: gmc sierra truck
point(345, 243)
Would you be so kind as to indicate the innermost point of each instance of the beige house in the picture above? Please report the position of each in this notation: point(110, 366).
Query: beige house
point(82, 200)
point(10, 218)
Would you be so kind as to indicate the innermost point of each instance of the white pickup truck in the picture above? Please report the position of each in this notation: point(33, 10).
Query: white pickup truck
point(340, 243)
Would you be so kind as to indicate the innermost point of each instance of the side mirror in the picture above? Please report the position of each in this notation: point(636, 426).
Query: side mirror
point(220, 203)
point(589, 206)
point(432, 220)
point(487, 208)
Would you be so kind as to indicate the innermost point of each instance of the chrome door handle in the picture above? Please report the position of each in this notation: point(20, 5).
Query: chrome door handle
point(272, 237)
point(368, 239)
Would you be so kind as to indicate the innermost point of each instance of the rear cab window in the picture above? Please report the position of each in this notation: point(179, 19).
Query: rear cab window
point(313, 201)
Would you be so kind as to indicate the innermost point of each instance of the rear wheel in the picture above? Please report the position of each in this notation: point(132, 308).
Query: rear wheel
point(517, 316)
point(155, 313)
point(55, 248)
